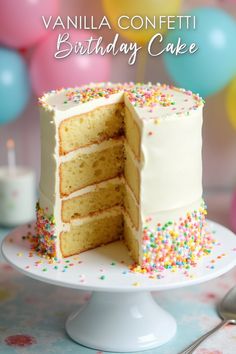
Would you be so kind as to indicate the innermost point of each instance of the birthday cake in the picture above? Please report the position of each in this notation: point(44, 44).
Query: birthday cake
point(122, 161)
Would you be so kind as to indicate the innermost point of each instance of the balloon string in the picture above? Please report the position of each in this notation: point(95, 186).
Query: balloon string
point(141, 65)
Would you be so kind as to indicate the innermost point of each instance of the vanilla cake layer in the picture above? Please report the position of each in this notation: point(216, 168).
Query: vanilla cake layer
point(94, 199)
point(132, 172)
point(84, 169)
point(131, 240)
point(92, 127)
point(91, 234)
point(131, 207)
point(159, 157)
point(132, 134)
point(100, 197)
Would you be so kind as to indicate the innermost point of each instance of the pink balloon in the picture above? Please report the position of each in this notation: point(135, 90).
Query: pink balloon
point(48, 73)
point(233, 213)
point(21, 23)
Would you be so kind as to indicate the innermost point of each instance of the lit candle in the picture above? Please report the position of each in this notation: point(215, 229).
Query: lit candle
point(11, 156)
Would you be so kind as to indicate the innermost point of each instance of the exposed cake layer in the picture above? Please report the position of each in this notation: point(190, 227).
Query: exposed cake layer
point(132, 133)
point(105, 228)
point(131, 207)
point(97, 198)
point(131, 240)
point(93, 199)
point(53, 141)
point(132, 172)
point(99, 124)
point(85, 169)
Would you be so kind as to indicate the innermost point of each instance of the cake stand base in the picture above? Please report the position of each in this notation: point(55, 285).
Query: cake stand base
point(121, 322)
point(121, 315)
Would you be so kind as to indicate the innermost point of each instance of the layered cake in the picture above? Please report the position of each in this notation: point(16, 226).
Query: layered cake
point(122, 161)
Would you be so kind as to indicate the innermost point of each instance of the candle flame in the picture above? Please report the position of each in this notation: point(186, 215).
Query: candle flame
point(10, 144)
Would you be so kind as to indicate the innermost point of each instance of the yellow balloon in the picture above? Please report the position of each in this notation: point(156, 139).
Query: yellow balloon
point(231, 103)
point(139, 13)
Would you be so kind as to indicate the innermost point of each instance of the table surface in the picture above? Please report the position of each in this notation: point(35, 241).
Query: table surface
point(32, 313)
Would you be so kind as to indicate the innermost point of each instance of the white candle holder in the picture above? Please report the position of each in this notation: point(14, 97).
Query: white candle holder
point(17, 196)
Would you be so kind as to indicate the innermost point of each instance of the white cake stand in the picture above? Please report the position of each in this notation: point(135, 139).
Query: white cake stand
point(121, 315)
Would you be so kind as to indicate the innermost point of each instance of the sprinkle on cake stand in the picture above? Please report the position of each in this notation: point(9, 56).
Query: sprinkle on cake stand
point(121, 314)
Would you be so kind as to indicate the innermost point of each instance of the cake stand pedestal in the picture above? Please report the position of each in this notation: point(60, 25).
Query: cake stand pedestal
point(121, 322)
point(121, 315)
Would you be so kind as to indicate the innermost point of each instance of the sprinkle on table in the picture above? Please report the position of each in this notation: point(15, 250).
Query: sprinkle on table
point(136, 283)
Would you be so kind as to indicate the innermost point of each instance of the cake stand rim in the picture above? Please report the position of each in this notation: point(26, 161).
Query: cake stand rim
point(103, 286)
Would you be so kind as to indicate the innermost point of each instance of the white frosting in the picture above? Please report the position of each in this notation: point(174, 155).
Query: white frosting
point(163, 216)
point(171, 163)
point(171, 174)
point(94, 187)
point(69, 110)
point(116, 210)
point(91, 149)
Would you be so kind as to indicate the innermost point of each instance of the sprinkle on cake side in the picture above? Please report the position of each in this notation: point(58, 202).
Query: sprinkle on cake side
point(158, 165)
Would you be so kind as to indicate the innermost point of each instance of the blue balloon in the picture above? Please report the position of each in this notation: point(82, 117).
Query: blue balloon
point(213, 65)
point(14, 85)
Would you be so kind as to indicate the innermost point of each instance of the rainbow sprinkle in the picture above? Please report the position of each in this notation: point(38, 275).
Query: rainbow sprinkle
point(175, 244)
point(170, 246)
point(87, 94)
point(44, 241)
point(140, 95)
point(150, 96)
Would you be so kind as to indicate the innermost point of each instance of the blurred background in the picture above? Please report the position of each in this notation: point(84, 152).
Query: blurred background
point(27, 69)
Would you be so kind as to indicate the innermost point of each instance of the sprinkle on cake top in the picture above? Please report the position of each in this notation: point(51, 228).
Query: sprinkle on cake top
point(150, 96)
point(140, 95)
point(86, 94)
